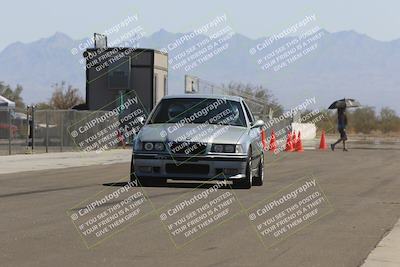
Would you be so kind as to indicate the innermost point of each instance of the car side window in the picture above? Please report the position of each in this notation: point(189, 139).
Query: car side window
point(248, 113)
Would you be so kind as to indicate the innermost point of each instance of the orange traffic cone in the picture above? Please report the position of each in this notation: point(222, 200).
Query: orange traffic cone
point(289, 143)
point(299, 145)
point(322, 143)
point(272, 143)
point(263, 139)
point(294, 141)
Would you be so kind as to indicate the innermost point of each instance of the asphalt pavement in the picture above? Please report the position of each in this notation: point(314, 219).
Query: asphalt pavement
point(361, 185)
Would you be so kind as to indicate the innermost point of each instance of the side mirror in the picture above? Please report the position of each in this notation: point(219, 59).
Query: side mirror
point(257, 124)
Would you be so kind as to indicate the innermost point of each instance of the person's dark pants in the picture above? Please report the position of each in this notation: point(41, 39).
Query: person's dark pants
point(343, 134)
point(343, 138)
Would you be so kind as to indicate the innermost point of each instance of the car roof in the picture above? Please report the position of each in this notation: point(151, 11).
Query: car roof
point(205, 96)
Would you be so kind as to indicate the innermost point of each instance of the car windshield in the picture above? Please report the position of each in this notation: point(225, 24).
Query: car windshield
point(199, 110)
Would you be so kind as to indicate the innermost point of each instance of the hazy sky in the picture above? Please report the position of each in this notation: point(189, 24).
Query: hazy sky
point(29, 20)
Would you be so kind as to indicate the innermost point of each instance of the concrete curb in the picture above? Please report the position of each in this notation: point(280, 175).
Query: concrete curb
point(386, 253)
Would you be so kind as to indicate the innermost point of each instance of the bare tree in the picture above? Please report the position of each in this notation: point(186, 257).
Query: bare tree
point(389, 121)
point(259, 94)
point(65, 97)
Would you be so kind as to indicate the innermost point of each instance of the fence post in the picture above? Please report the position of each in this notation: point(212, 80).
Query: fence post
point(27, 129)
point(33, 127)
point(9, 131)
point(61, 131)
point(47, 132)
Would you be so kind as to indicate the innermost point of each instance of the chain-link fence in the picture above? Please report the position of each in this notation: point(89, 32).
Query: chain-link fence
point(13, 131)
point(40, 131)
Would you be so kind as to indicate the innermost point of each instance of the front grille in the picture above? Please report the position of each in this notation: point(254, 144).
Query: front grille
point(187, 168)
point(186, 148)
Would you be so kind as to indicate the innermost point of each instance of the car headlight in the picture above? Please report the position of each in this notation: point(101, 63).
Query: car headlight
point(159, 146)
point(229, 148)
point(153, 146)
point(219, 148)
point(148, 146)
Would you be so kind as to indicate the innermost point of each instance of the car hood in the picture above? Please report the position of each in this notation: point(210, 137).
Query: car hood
point(221, 134)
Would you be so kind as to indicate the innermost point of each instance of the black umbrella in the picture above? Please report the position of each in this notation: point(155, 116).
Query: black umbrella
point(345, 103)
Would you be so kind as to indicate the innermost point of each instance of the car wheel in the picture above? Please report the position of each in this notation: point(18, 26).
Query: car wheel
point(246, 182)
point(259, 180)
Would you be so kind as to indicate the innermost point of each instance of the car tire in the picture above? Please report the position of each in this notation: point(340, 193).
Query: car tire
point(259, 179)
point(245, 183)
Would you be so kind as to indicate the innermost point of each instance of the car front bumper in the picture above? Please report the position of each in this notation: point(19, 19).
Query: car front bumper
point(204, 167)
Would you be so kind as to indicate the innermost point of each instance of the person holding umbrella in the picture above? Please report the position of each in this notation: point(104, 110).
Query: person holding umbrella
point(341, 106)
point(342, 124)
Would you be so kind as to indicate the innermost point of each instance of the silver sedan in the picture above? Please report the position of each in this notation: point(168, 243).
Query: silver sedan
point(199, 137)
